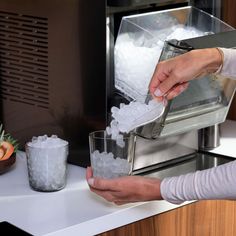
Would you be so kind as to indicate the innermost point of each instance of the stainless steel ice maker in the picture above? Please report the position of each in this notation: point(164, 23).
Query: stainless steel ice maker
point(203, 105)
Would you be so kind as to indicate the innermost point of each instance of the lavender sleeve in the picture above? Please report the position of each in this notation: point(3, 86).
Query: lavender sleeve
point(229, 63)
point(214, 183)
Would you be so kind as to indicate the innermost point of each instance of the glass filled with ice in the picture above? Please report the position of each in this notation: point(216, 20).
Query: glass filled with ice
point(110, 156)
point(47, 163)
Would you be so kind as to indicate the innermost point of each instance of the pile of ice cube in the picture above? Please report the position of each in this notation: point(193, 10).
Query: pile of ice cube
point(136, 57)
point(105, 165)
point(47, 142)
point(132, 115)
point(47, 162)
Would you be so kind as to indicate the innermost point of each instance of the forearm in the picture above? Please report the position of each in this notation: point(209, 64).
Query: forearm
point(215, 183)
point(215, 60)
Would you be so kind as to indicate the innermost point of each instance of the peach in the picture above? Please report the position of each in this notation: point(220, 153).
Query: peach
point(7, 149)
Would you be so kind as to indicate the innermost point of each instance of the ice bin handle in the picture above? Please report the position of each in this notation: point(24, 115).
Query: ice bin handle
point(171, 48)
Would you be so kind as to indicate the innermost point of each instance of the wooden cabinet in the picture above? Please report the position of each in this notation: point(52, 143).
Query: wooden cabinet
point(232, 110)
point(228, 15)
point(202, 218)
point(228, 12)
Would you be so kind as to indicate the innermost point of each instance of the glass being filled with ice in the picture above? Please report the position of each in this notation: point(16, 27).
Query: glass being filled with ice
point(111, 156)
point(47, 163)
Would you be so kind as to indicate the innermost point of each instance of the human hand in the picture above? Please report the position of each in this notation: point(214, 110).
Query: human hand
point(171, 77)
point(125, 189)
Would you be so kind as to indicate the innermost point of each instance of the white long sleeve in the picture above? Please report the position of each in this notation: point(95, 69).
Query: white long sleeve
point(214, 183)
point(229, 63)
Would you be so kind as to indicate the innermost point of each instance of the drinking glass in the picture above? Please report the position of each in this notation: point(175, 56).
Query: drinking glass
point(47, 166)
point(111, 158)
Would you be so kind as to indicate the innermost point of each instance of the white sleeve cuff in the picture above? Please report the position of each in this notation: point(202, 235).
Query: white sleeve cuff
point(228, 68)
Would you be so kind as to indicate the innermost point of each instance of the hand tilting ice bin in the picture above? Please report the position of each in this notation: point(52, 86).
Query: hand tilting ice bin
point(141, 39)
point(138, 47)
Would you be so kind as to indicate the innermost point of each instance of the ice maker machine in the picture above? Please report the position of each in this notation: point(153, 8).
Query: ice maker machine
point(201, 108)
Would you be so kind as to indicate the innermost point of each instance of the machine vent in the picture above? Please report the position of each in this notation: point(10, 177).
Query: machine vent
point(24, 59)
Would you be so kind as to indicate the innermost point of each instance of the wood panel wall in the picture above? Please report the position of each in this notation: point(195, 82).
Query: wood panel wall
point(229, 16)
point(203, 218)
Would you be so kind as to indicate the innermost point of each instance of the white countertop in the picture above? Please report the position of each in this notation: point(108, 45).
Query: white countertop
point(75, 210)
point(70, 211)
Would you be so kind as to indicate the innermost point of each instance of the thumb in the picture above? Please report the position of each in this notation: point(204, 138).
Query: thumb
point(164, 78)
point(101, 184)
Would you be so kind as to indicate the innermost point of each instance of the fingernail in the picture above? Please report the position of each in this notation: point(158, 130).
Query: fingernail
point(91, 181)
point(158, 93)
